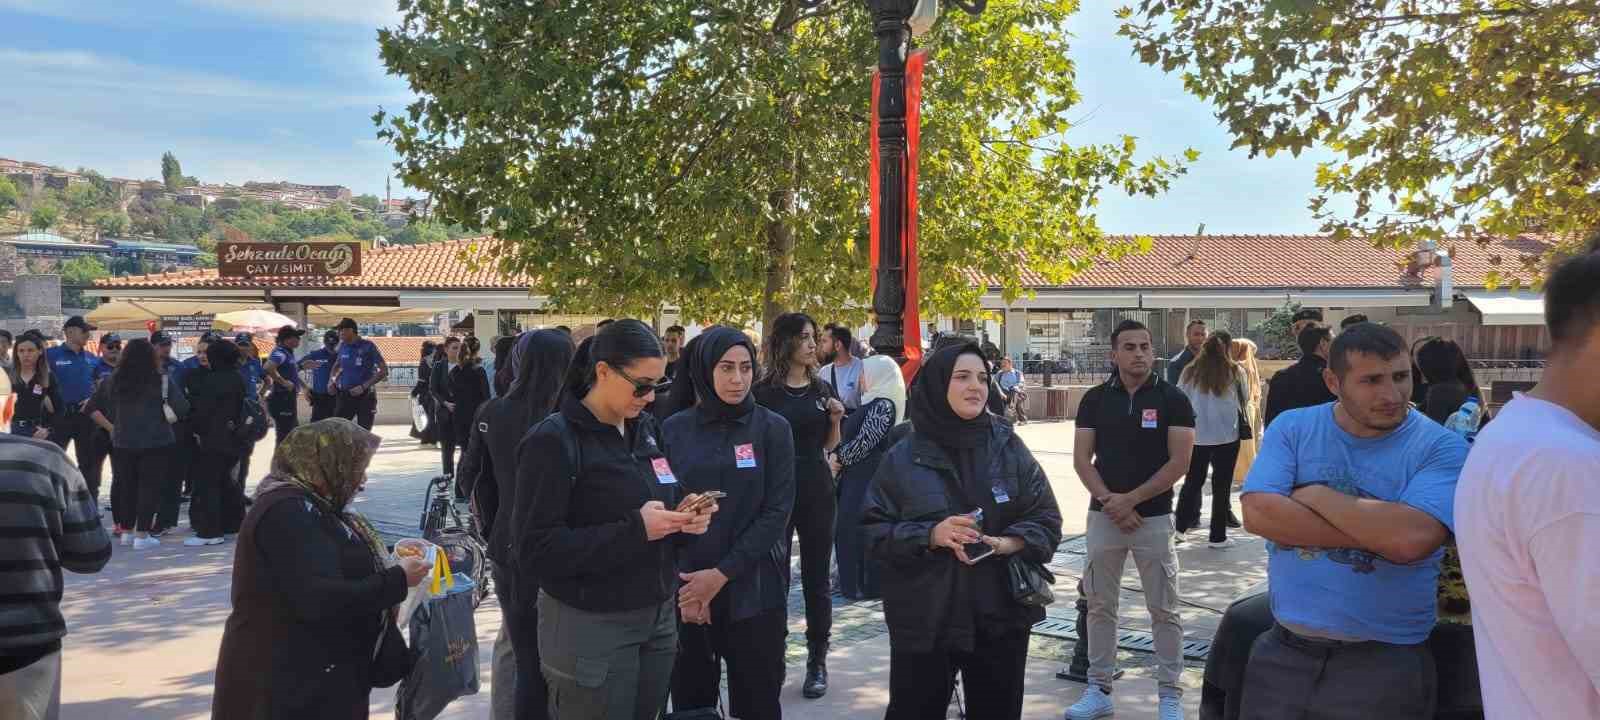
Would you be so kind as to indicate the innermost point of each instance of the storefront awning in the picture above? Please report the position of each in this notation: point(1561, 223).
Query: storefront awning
point(130, 315)
point(1508, 308)
point(1214, 299)
point(1065, 300)
point(1420, 297)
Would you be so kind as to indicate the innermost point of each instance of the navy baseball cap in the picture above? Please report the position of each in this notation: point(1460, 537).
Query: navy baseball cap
point(156, 338)
point(244, 339)
point(330, 337)
point(110, 339)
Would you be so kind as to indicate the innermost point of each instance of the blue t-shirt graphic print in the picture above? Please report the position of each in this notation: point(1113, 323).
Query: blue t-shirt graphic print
point(1354, 593)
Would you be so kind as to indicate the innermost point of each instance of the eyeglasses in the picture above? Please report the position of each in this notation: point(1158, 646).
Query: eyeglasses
point(641, 389)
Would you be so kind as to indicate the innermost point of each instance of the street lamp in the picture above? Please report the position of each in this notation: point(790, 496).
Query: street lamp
point(893, 23)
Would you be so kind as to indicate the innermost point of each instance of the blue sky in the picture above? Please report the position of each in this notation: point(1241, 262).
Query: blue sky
point(284, 89)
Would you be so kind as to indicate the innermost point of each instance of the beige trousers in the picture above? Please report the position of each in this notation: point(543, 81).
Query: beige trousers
point(1157, 561)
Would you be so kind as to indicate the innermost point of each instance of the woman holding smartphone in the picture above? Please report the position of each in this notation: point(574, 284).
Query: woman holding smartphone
point(595, 529)
point(790, 387)
point(961, 486)
point(733, 601)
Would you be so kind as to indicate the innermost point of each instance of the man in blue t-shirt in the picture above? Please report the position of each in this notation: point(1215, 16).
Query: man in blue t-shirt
point(72, 369)
point(359, 369)
point(1355, 499)
point(321, 363)
point(283, 378)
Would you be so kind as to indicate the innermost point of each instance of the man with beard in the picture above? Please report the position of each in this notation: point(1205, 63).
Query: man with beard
point(840, 369)
point(1355, 499)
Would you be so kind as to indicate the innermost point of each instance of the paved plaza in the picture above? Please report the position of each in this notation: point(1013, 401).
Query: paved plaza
point(144, 633)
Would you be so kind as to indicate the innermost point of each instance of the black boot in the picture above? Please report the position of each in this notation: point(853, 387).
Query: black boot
point(1233, 521)
point(816, 684)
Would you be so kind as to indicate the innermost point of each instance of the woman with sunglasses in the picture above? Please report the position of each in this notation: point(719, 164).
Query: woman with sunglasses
point(735, 592)
point(791, 388)
point(596, 528)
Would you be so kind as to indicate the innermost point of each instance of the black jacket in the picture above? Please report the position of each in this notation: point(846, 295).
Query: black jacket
point(912, 493)
point(308, 607)
point(466, 387)
point(1298, 386)
point(217, 398)
point(579, 533)
point(488, 475)
point(746, 538)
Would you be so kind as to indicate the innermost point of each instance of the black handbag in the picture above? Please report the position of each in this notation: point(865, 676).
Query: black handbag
point(1031, 584)
point(391, 660)
point(1246, 430)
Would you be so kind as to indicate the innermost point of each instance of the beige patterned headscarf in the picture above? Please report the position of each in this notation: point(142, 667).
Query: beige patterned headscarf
point(328, 460)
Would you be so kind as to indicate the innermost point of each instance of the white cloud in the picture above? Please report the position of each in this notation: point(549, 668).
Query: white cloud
point(350, 12)
point(371, 13)
point(84, 74)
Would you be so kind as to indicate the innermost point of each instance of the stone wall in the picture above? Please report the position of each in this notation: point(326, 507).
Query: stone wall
point(39, 295)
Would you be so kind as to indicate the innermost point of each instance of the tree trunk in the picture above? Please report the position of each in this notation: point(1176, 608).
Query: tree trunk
point(780, 257)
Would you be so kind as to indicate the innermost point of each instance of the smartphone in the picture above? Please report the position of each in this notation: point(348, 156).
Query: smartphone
point(698, 501)
point(978, 550)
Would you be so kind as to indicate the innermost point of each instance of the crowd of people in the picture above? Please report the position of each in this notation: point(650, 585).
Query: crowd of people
point(642, 496)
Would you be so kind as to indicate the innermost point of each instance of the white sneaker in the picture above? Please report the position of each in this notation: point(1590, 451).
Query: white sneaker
point(1224, 545)
point(145, 543)
point(1094, 704)
point(198, 541)
point(126, 539)
point(1171, 709)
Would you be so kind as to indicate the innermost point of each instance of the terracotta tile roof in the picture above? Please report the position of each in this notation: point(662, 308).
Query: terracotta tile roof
point(1219, 261)
point(1281, 261)
point(434, 266)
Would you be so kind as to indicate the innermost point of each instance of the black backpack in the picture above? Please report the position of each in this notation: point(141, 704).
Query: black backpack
point(251, 424)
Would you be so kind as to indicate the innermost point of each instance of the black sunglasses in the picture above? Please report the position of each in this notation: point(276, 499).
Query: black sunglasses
point(641, 389)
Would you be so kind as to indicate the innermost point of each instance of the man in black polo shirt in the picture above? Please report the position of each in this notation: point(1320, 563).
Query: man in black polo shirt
point(1135, 435)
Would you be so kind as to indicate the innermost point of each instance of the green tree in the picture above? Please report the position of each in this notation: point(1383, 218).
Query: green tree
point(1461, 116)
point(171, 172)
point(420, 232)
point(110, 223)
point(1275, 336)
point(82, 202)
point(80, 272)
point(45, 215)
point(10, 198)
point(707, 154)
point(371, 203)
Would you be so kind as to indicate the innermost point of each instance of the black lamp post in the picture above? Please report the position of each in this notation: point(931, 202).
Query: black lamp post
point(890, 20)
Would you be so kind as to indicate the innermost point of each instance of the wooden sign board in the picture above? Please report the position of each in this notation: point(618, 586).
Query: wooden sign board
point(291, 259)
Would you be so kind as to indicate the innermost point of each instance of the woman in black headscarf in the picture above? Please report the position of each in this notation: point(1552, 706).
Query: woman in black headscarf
point(733, 600)
point(488, 474)
point(945, 610)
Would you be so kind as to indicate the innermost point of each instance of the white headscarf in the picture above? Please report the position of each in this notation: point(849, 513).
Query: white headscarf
point(881, 378)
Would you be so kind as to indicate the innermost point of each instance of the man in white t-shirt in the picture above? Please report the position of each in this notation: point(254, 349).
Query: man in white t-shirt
point(841, 369)
point(1528, 522)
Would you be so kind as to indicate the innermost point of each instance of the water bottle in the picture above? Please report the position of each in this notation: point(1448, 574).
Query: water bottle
point(1465, 420)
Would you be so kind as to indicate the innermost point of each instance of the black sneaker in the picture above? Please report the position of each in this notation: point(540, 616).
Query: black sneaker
point(1233, 521)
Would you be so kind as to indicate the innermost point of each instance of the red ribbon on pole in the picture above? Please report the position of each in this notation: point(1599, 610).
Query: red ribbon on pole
point(912, 321)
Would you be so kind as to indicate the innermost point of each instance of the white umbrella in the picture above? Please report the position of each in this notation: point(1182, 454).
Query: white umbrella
point(252, 321)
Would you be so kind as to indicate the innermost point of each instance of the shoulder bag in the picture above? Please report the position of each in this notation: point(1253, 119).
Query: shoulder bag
point(166, 407)
point(1029, 583)
point(1246, 431)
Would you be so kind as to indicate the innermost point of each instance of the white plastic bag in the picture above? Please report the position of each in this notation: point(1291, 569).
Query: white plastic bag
point(419, 415)
point(416, 596)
